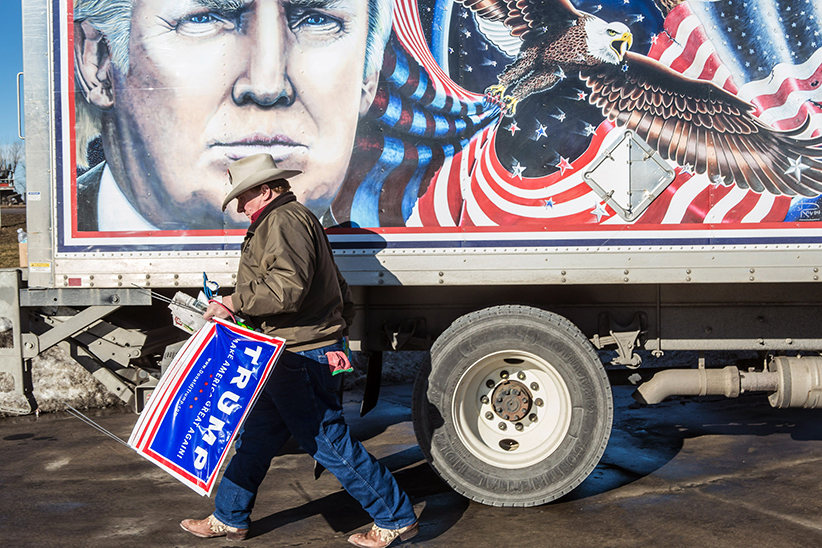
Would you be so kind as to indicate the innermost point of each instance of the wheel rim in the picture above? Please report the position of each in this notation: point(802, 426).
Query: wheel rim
point(538, 418)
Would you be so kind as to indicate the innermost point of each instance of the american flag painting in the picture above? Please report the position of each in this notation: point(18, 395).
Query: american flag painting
point(526, 167)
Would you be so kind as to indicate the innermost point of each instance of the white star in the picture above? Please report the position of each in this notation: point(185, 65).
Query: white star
point(560, 74)
point(796, 169)
point(590, 130)
point(718, 180)
point(600, 212)
point(517, 169)
point(688, 169)
point(560, 116)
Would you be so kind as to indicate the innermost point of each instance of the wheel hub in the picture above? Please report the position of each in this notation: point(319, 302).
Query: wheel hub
point(511, 401)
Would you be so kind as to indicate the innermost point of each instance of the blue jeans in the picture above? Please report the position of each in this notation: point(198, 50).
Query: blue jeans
point(300, 399)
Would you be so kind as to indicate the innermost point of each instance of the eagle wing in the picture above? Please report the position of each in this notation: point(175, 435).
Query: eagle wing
point(525, 18)
point(694, 122)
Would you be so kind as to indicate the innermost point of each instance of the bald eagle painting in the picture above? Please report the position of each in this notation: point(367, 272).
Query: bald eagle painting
point(692, 121)
point(502, 113)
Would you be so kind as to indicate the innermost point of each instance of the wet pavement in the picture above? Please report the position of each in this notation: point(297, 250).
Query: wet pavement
point(707, 472)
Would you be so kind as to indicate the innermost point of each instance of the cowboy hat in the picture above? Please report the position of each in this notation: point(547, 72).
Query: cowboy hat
point(252, 171)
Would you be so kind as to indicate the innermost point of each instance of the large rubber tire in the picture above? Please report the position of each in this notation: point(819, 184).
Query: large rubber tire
point(528, 462)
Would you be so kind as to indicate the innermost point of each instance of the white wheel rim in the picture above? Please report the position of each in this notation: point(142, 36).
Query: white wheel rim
point(511, 448)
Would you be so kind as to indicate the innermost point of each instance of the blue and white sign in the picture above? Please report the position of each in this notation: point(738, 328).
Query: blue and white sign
point(202, 400)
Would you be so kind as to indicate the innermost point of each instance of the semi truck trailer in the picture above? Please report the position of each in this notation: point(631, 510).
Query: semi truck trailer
point(510, 186)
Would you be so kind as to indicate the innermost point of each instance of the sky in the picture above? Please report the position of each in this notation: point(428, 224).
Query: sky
point(11, 62)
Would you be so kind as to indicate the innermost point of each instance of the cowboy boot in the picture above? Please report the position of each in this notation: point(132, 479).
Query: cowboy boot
point(378, 537)
point(212, 527)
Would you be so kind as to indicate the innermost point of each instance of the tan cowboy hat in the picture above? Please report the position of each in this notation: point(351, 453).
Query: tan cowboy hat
point(252, 171)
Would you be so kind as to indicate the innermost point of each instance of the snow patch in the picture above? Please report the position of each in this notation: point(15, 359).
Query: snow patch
point(58, 380)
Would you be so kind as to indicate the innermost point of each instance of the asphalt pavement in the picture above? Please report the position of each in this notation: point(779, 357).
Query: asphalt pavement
point(704, 472)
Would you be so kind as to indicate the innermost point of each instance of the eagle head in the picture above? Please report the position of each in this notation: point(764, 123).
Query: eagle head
point(607, 42)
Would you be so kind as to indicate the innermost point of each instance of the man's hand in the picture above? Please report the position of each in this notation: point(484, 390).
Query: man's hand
point(216, 310)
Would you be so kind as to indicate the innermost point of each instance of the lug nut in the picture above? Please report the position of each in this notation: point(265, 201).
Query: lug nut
point(538, 402)
point(519, 427)
point(532, 417)
point(521, 376)
point(489, 383)
point(499, 409)
point(503, 374)
point(484, 400)
point(503, 426)
point(506, 417)
point(534, 386)
point(516, 392)
point(489, 415)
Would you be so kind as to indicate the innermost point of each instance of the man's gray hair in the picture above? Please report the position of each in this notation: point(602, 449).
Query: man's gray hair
point(113, 19)
point(380, 15)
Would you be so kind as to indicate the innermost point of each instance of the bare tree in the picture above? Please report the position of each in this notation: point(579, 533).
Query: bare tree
point(13, 163)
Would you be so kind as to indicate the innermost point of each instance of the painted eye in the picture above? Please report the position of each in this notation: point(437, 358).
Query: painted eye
point(315, 19)
point(318, 22)
point(203, 18)
point(204, 24)
point(315, 23)
point(612, 32)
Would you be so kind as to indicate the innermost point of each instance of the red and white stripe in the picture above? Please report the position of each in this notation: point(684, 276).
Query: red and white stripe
point(408, 29)
point(685, 47)
point(781, 99)
point(474, 189)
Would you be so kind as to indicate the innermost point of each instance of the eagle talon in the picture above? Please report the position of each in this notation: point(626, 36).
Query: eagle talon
point(509, 105)
point(495, 92)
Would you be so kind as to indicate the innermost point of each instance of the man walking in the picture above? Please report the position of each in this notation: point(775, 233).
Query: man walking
point(290, 287)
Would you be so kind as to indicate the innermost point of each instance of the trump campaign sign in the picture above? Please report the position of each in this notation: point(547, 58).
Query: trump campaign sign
point(202, 400)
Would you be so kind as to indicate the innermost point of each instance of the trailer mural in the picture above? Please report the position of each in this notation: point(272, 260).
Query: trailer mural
point(502, 115)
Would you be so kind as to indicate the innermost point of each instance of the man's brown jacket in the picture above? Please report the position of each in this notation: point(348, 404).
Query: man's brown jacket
point(287, 281)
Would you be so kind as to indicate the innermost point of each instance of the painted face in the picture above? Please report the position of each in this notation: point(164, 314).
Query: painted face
point(213, 81)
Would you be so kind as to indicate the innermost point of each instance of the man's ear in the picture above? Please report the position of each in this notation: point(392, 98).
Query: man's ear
point(92, 65)
point(369, 90)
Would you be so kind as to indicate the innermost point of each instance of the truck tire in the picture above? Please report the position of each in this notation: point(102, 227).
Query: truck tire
point(515, 409)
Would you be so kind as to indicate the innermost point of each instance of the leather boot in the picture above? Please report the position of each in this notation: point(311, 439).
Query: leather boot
point(212, 527)
point(378, 537)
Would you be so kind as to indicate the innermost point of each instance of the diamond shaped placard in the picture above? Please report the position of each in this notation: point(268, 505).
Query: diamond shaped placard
point(629, 175)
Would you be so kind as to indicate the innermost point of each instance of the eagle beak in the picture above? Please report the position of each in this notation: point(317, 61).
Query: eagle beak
point(622, 44)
